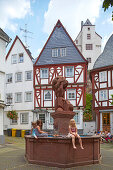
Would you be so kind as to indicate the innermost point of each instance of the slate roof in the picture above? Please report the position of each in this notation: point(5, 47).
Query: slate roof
point(4, 36)
point(106, 58)
point(59, 38)
point(87, 22)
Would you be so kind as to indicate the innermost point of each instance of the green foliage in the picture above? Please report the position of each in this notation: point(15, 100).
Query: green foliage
point(112, 99)
point(107, 4)
point(12, 114)
point(87, 116)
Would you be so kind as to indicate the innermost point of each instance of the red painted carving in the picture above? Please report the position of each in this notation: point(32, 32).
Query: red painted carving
point(59, 85)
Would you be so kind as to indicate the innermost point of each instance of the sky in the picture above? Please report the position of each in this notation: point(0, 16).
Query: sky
point(40, 17)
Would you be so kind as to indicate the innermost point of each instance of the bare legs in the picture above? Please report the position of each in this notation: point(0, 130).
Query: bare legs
point(73, 141)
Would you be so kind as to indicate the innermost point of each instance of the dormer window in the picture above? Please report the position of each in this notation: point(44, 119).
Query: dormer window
point(62, 52)
point(21, 58)
point(55, 52)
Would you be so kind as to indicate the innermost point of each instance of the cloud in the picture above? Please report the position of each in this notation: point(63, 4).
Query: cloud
point(13, 9)
point(71, 13)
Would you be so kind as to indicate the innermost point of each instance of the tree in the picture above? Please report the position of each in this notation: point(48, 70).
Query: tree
point(107, 4)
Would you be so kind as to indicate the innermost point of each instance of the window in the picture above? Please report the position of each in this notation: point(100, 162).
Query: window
point(77, 118)
point(103, 76)
point(9, 98)
point(13, 121)
point(89, 46)
point(28, 75)
point(63, 52)
point(89, 60)
point(88, 28)
point(18, 77)
point(9, 78)
point(28, 96)
point(51, 120)
point(14, 58)
point(21, 58)
point(42, 117)
point(103, 95)
point(24, 118)
point(76, 41)
point(88, 36)
point(18, 97)
point(47, 95)
point(44, 73)
point(69, 71)
point(55, 52)
point(71, 94)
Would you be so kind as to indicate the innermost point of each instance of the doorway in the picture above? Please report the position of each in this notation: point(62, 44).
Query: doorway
point(106, 121)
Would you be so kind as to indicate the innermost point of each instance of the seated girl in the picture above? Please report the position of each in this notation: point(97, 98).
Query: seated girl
point(39, 131)
point(33, 130)
point(73, 133)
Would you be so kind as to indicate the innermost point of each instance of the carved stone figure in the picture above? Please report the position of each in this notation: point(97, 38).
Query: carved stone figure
point(59, 85)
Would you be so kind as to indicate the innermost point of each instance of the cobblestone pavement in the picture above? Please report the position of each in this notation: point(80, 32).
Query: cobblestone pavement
point(12, 157)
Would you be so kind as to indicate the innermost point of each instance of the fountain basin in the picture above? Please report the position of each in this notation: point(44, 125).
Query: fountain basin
point(58, 151)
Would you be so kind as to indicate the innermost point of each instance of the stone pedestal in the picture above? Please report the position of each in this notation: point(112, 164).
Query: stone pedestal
point(61, 121)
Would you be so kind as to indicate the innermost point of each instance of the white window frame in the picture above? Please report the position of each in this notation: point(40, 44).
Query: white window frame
point(24, 118)
point(14, 59)
point(55, 52)
point(18, 101)
point(8, 77)
point(10, 96)
point(71, 91)
point(77, 117)
point(45, 92)
point(28, 100)
point(44, 75)
point(16, 75)
point(103, 95)
point(89, 46)
point(68, 74)
point(19, 58)
point(62, 52)
point(42, 117)
point(26, 78)
point(103, 76)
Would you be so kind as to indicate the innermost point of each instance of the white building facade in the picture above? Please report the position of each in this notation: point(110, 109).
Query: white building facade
point(4, 40)
point(19, 86)
point(89, 43)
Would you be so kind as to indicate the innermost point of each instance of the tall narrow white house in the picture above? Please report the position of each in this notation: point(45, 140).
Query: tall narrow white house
point(4, 40)
point(89, 43)
point(19, 86)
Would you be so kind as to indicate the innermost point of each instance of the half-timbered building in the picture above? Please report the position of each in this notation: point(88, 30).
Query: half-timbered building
point(102, 88)
point(59, 57)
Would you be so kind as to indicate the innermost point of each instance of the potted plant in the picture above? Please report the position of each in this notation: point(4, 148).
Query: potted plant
point(12, 114)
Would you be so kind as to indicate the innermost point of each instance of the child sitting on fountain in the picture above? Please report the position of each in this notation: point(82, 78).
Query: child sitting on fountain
point(33, 130)
point(39, 131)
point(73, 133)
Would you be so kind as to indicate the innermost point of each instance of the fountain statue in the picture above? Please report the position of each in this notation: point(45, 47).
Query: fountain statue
point(63, 108)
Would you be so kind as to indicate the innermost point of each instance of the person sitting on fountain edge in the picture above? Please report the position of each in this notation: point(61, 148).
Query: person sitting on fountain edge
point(33, 130)
point(39, 131)
point(73, 133)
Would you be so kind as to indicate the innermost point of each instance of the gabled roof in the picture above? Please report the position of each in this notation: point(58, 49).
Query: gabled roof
point(106, 58)
point(27, 50)
point(4, 36)
point(59, 38)
point(88, 23)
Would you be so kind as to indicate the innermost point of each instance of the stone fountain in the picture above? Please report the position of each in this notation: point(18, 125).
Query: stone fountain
point(58, 151)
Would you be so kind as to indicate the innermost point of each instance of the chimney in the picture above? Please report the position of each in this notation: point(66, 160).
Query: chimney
point(81, 24)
